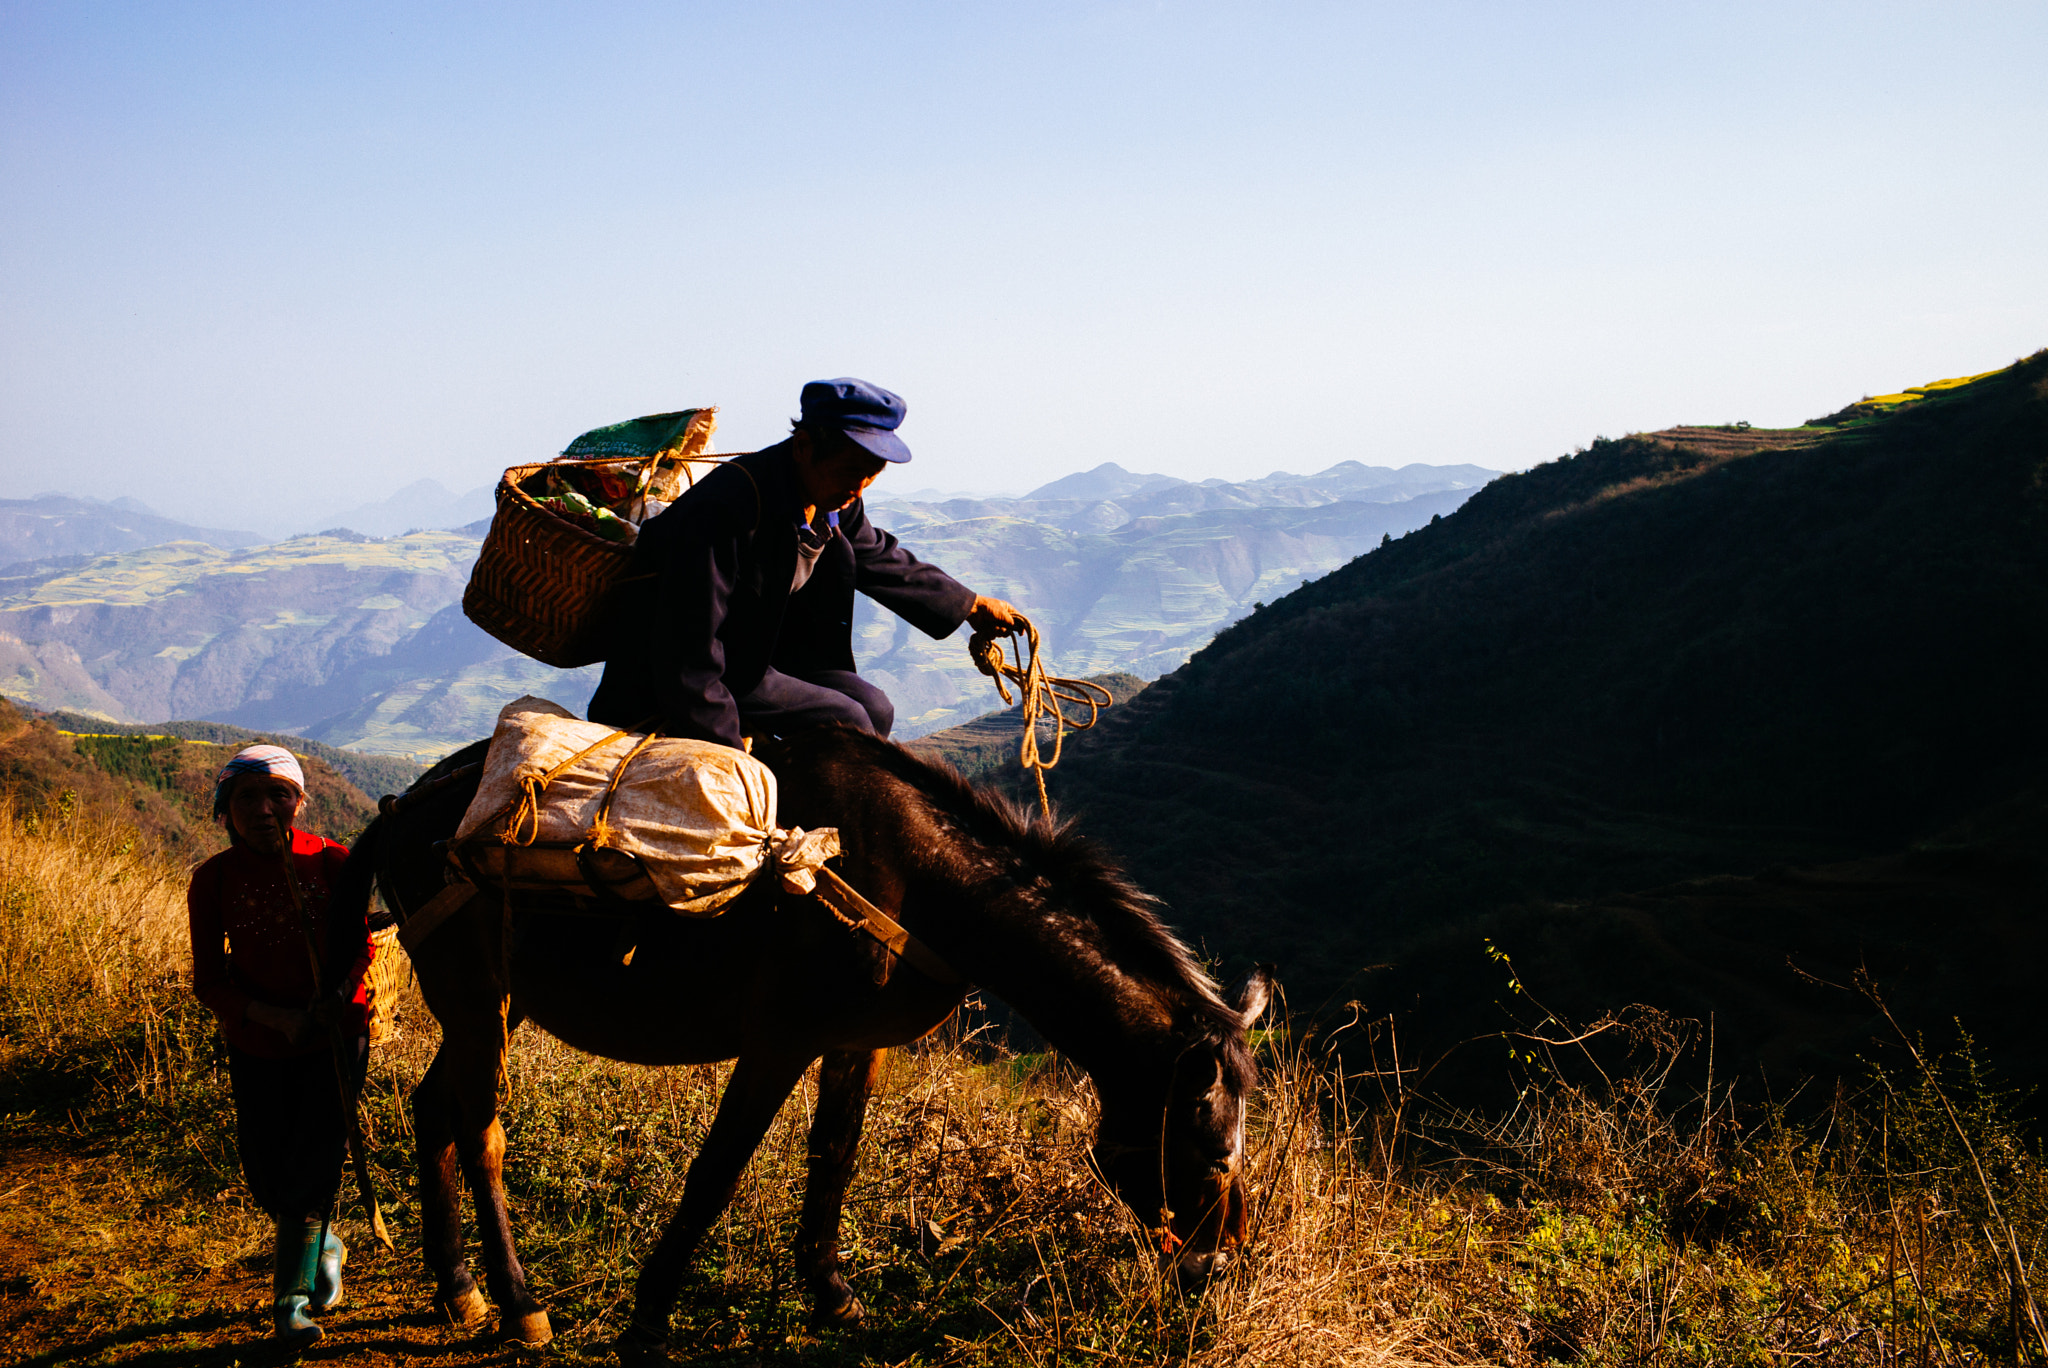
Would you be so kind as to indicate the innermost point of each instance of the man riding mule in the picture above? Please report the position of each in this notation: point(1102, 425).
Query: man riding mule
point(777, 982)
point(737, 626)
point(742, 623)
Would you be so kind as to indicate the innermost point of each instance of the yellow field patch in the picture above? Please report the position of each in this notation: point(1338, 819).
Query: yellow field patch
point(136, 577)
point(1918, 392)
point(1958, 382)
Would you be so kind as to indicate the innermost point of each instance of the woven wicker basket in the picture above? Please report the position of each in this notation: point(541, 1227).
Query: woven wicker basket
point(389, 971)
point(540, 582)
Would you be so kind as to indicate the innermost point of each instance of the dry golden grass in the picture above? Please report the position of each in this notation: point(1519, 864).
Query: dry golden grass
point(1601, 1221)
point(92, 929)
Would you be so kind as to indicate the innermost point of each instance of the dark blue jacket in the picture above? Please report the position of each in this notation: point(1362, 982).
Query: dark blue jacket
point(714, 612)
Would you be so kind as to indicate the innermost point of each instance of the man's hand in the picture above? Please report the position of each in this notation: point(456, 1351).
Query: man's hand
point(992, 615)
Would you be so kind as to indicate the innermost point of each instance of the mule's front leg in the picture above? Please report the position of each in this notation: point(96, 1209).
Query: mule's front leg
point(455, 1292)
point(845, 1080)
point(756, 1091)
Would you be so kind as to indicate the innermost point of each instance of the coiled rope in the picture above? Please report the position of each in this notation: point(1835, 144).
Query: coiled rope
point(1043, 694)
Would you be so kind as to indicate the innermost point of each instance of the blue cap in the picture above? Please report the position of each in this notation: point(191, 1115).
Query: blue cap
point(867, 413)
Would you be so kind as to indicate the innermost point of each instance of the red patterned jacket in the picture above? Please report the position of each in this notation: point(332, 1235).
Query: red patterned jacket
point(248, 944)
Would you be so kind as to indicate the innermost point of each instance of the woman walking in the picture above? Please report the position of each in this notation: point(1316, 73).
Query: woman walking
point(281, 975)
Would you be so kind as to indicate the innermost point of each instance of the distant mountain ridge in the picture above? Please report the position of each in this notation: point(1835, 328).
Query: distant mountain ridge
point(55, 524)
point(360, 641)
point(423, 505)
point(1109, 497)
point(1138, 597)
point(299, 637)
point(50, 526)
point(1107, 481)
point(1345, 480)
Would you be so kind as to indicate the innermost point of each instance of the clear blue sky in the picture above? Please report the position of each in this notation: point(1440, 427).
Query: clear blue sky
point(268, 254)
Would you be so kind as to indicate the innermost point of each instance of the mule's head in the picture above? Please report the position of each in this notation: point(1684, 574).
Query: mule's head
point(1172, 1145)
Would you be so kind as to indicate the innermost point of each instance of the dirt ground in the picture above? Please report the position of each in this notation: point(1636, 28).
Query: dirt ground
point(96, 1268)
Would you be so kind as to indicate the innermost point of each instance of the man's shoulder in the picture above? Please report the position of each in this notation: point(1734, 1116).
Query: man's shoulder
point(860, 526)
point(733, 496)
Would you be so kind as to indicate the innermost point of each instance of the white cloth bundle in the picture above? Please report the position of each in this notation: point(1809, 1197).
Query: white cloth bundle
point(700, 817)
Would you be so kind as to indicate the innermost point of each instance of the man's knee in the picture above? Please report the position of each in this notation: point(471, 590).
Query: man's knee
point(783, 704)
point(878, 714)
point(850, 711)
point(881, 712)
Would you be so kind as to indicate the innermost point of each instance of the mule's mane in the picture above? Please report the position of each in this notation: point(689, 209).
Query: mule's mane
point(1097, 886)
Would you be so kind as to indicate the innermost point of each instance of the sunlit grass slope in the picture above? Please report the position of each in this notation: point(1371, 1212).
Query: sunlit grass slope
point(1613, 1224)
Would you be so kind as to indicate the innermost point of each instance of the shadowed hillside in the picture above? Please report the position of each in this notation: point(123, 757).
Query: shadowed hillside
point(1682, 655)
point(161, 785)
point(373, 774)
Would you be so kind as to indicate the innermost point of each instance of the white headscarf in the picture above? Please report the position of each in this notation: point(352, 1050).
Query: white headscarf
point(255, 760)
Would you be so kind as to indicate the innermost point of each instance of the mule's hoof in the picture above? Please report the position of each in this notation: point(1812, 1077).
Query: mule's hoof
point(843, 1316)
point(465, 1310)
point(531, 1330)
point(637, 1351)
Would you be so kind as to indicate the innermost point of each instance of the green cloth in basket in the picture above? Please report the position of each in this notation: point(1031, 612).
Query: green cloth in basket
point(684, 432)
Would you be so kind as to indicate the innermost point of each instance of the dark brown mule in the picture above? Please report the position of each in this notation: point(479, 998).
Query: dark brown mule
point(1022, 907)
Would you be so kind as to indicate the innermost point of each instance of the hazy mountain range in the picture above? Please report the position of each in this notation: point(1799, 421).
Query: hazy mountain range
point(52, 527)
point(423, 504)
point(359, 640)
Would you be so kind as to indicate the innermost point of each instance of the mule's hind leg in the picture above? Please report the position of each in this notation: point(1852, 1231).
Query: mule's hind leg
point(845, 1079)
point(757, 1090)
point(455, 1291)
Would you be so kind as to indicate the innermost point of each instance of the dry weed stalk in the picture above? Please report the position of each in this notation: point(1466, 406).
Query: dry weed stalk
point(2028, 1328)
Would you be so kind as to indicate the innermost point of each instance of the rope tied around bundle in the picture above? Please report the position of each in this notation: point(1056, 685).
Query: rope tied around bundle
point(533, 785)
point(1043, 694)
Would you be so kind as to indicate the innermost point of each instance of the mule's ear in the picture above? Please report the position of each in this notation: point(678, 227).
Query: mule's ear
point(1251, 997)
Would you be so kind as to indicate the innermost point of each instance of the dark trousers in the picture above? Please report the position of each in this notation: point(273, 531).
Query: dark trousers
point(781, 704)
point(291, 1129)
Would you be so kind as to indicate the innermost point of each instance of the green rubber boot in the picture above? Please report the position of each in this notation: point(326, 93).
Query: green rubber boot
point(298, 1257)
point(327, 1280)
